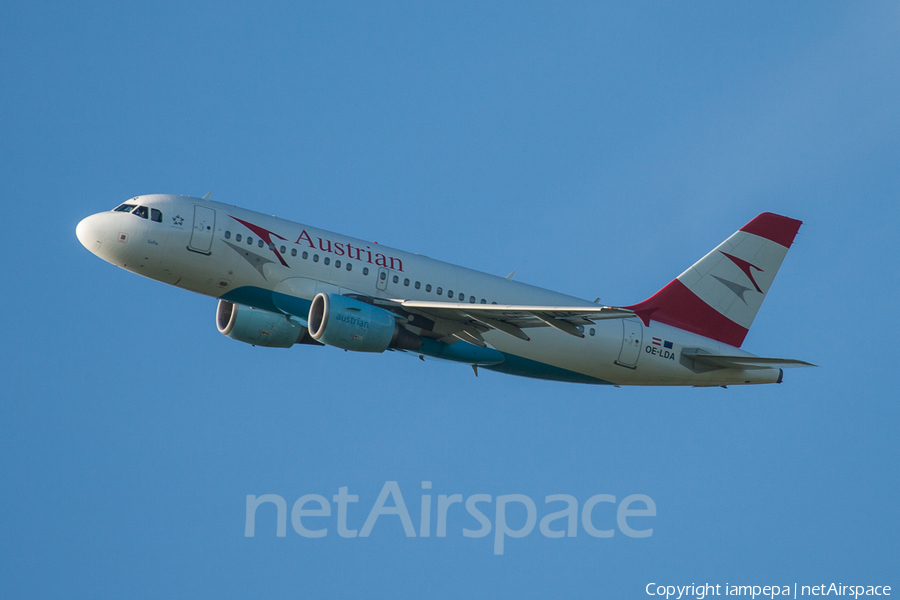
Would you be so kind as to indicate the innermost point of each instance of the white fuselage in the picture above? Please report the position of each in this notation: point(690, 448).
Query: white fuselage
point(219, 250)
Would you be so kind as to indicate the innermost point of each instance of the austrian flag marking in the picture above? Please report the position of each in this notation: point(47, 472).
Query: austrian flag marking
point(661, 348)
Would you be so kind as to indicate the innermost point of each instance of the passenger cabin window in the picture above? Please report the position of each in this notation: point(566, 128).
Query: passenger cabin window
point(155, 215)
point(227, 235)
point(237, 237)
point(337, 264)
point(293, 252)
point(396, 279)
point(349, 266)
point(428, 288)
point(406, 282)
point(418, 285)
point(365, 270)
point(440, 291)
point(327, 260)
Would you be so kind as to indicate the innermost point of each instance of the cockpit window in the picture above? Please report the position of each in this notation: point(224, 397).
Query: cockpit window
point(141, 211)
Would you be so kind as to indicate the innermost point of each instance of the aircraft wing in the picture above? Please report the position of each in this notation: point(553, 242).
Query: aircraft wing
point(722, 361)
point(468, 321)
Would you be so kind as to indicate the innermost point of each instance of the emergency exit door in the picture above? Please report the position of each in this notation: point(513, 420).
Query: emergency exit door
point(632, 336)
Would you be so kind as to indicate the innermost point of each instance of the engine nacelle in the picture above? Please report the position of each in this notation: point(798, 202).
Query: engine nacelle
point(259, 327)
point(349, 324)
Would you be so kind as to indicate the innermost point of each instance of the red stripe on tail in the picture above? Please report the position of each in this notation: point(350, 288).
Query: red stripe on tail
point(679, 307)
point(780, 230)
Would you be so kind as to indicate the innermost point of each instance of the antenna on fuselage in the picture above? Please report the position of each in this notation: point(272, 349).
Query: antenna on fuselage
point(510, 276)
point(208, 194)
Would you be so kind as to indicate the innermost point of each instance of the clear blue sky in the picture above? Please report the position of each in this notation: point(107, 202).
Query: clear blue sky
point(596, 149)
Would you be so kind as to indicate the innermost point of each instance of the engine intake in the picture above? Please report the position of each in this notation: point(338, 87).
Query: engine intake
point(259, 327)
point(353, 325)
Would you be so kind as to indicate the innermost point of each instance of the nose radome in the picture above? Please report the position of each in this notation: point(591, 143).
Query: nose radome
point(90, 232)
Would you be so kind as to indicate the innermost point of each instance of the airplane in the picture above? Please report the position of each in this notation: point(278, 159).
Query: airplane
point(280, 283)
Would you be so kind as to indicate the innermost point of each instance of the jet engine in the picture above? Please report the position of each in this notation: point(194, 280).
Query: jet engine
point(259, 327)
point(349, 324)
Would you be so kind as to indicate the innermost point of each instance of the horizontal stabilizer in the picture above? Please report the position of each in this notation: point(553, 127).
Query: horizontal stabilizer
point(722, 361)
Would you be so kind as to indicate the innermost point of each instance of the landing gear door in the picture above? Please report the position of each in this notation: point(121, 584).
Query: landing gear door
point(632, 337)
point(382, 282)
point(204, 226)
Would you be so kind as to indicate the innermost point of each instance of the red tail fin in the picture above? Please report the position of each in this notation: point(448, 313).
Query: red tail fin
point(719, 296)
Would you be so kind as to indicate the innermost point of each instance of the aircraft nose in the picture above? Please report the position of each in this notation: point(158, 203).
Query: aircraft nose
point(91, 233)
